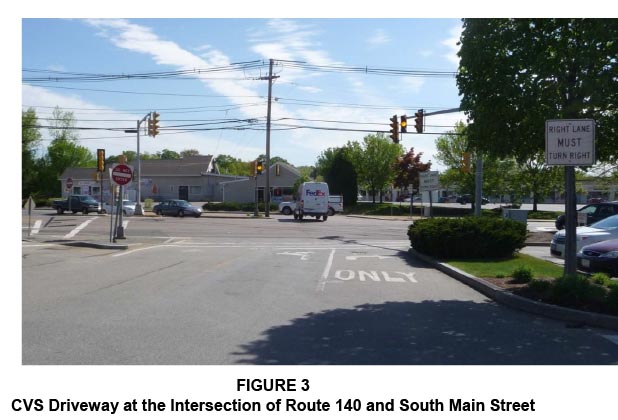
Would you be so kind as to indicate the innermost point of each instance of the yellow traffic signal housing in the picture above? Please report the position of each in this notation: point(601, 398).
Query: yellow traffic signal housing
point(418, 121)
point(394, 129)
point(404, 123)
point(252, 166)
point(100, 160)
point(465, 162)
point(153, 124)
point(259, 167)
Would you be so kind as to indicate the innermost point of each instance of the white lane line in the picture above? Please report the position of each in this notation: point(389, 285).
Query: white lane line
point(78, 228)
point(322, 283)
point(36, 227)
point(122, 254)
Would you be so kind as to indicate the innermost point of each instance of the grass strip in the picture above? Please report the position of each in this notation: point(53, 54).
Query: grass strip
point(541, 269)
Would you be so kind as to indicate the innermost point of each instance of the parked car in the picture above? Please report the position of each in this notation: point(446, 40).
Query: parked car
point(128, 208)
point(601, 256)
point(287, 207)
point(594, 213)
point(180, 208)
point(603, 230)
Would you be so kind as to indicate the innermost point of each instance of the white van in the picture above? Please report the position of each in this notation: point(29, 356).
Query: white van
point(335, 204)
point(312, 200)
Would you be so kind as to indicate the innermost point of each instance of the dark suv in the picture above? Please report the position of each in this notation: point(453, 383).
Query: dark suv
point(594, 213)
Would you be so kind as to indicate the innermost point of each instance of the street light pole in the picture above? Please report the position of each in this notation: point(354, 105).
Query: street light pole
point(138, 205)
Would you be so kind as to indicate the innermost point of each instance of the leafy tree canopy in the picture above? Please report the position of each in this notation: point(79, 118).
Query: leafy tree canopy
point(516, 73)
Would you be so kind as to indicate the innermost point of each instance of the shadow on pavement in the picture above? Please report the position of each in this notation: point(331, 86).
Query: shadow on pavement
point(425, 333)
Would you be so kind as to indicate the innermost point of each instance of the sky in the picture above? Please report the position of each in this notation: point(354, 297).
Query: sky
point(321, 97)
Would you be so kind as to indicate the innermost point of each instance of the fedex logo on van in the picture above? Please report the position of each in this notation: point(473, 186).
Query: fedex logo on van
point(316, 193)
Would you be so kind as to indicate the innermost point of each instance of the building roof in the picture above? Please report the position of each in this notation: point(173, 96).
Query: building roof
point(187, 166)
point(78, 173)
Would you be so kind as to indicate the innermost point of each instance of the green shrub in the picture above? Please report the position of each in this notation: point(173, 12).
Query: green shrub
point(611, 300)
point(576, 291)
point(468, 237)
point(540, 287)
point(600, 278)
point(522, 275)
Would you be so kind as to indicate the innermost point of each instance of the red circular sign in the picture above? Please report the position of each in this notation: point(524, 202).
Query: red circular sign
point(122, 174)
point(69, 182)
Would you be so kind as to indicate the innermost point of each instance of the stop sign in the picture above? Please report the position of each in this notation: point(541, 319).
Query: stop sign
point(69, 183)
point(122, 174)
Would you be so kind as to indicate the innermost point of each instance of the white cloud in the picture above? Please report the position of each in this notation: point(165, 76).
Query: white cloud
point(379, 37)
point(451, 44)
point(140, 39)
point(414, 84)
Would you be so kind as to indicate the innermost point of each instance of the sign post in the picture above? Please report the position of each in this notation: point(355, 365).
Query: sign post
point(121, 175)
point(30, 205)
point(570, 143)
point(429, 181)
point(69, 185)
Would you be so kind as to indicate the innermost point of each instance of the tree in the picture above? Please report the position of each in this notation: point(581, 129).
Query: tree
point(129, 155)
point(376, 160)
point(30, 141)
point(336, 166)
point(189, 152)
point(516, 73)
point(537, 179)
point(169, 154)
point(63, 152)
point(229, 165)
point(407, 169)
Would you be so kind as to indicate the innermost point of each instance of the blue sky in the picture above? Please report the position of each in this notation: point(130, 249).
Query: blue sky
point(303, 97)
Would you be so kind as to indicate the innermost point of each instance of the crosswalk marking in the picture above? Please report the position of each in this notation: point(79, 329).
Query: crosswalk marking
point(78, 228)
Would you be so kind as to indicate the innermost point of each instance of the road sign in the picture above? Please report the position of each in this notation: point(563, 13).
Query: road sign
point(69, 183)
point(429, 180)
point(30, 204)
point(122, 174)
point(569, 142)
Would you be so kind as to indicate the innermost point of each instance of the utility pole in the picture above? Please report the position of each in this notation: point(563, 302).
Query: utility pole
point(270, 93)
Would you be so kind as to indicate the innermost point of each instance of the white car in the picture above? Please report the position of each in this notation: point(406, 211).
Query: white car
point(128, 208)
point(603, 230)
point(287, 207)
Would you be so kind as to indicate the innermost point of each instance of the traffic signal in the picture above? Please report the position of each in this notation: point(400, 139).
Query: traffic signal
point(153, 124)
point(465, 162)
point(252, 166)
point(394, 129)
point(100, 160)
point(259, 167)
point(404, 123)
point(418, 121)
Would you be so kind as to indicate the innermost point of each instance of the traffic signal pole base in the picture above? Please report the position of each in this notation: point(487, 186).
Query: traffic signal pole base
point(120, 233)
point(138, 210)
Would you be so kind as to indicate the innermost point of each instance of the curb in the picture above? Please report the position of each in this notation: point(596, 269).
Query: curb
point(572, 316)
